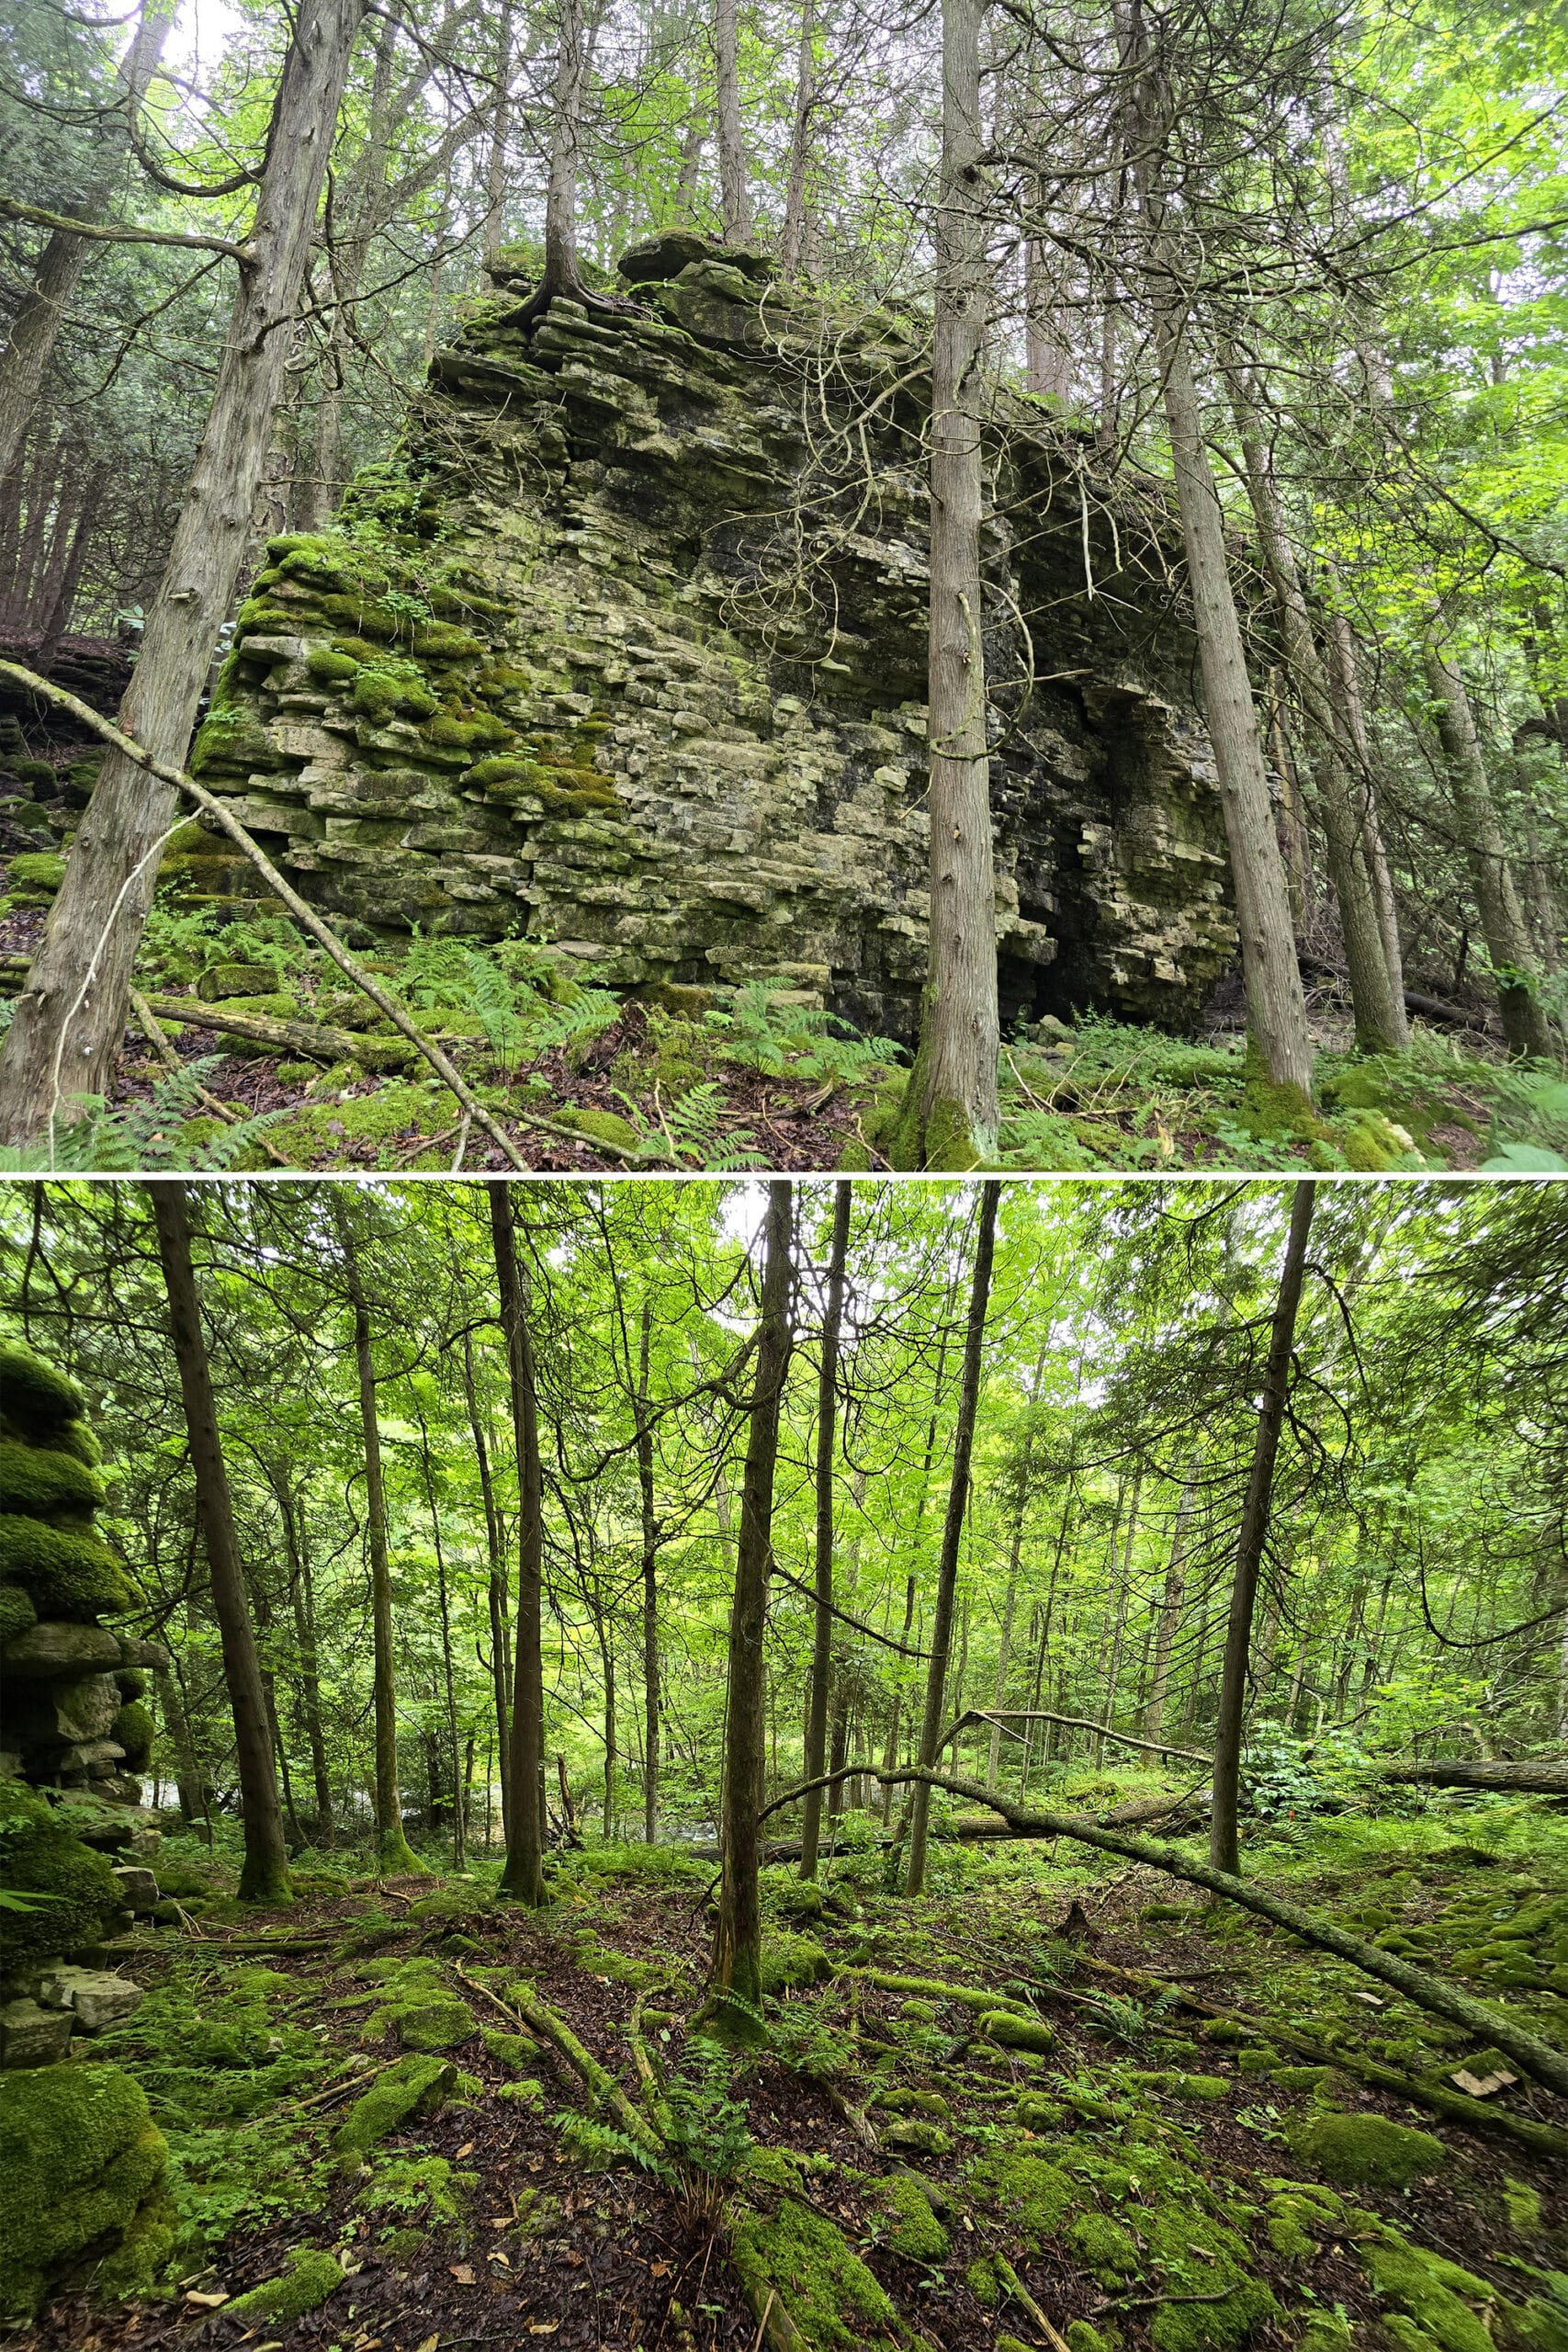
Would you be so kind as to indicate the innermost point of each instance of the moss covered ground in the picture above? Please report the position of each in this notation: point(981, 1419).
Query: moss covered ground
point(1161, 2166)
point(699, 1078)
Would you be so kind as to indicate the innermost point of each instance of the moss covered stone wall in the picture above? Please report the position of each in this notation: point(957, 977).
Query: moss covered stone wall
point(627, 650)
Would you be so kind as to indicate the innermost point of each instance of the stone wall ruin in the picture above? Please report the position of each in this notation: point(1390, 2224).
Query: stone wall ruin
point(627, 651)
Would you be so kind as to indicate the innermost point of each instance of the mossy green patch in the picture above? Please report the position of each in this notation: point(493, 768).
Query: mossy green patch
point(800, 2258)
point(790, 1962)
point(917, 2232)
point(38, 869)
point(39, 1855)
point(519, 2052)
point(69, 1571)
point(36, 1392)
point(1436, 2293)
point(414, 2087)
point(1016, 2032)
point(82, 2166)
point(313, 2275)
point(1364, 2150)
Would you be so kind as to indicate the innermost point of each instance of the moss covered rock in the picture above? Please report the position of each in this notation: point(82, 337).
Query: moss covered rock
point(39, 1855)
point(790, 1962)
point(68, 1571)
point(916, 2231)
point(415, 2086)
point(798, 2256)
point(1364, 2150)
point(1015, 2033)
point(82, 2172)
point(313, 2275)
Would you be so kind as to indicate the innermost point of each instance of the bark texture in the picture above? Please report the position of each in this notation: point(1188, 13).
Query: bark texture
point(827, 1431)
point(1503, 923)
point(734, 2007)
point(522, 1877)
point(1224, 1849)
point(66, 1033)
point(264, 1877)
point(950, 1118)
point(952, 1528)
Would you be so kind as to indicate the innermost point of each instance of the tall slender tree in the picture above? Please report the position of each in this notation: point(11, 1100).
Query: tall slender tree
point(60, 1047)
point(823, 1629)
point(952, 1528)
point(733, 2009)
point(524, 1877)
point(263, 1876)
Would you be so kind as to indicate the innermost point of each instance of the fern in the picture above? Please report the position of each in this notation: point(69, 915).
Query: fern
point(799, 1041)
point(599, 2146)
point(141, 1135)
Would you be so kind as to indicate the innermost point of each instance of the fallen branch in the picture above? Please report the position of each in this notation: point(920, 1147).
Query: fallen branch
point(1021, 2294)
point(1003, 1718)
point(322, 1043)
point(299, 908)
point(1543, 2137)
point(1543, 1776)
point(229, 1113)
point(1434, 1994)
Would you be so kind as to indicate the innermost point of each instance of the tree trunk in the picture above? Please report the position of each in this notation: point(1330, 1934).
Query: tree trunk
point(793, 244)
point(265, 1875)
point(30, 343)
point(1276, 1007)
point(66, 1032)
point(1345, 668)
point(650, 1733)
point(734, 196)
point(734, 2007)
point(395, 1857)
point(496, 1586)
point(827, 1431)
point(951, 1117)
point(1170, 1616)
point(1377, 1001)
point(1502, 924)
point(1542, 1775)
point(1224, 1849)
point(953, 1529)
point(57, 620)
point(1015, 1551)
point(492, 236)
point(459, 1857)
point(522, 1877)
point(303, 1601)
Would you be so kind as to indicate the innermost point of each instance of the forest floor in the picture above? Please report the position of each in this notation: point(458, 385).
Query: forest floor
point(583, 1080)
point(1165, 2175)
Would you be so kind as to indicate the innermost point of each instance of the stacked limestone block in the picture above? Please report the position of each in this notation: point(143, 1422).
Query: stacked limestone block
point(81, 2163)
point(629, 651)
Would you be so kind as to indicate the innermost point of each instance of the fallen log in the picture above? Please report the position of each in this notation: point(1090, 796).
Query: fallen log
point(1489, 2024)
point(312, 1038)
point(1538, 1776)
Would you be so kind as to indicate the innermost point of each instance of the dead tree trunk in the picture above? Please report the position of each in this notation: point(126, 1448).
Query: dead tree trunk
point(265, 1875)
point(1224, 1848)
point(68, 1024)
point(1542, 1775)
point(734, 2007)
